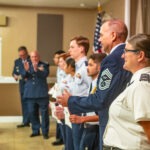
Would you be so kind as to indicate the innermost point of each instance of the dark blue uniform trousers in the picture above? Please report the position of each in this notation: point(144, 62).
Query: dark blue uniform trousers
point(38, 106)
point(62, 130)
point(25, 112)
point(77, 130)
point(69, 138)
point(58, 132)
point(90, 138)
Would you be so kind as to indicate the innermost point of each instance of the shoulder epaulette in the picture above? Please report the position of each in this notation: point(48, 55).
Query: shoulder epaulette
point(86, 63)
point(145, 77)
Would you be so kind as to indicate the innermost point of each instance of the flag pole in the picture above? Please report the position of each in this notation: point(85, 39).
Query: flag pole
point(97, 44)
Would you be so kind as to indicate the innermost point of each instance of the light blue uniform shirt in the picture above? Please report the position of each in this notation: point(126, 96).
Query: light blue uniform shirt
point(60, 75)
point(67, 84)
point(82, 80)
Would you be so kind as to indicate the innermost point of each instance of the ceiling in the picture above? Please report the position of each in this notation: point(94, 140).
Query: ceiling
point(54, 3)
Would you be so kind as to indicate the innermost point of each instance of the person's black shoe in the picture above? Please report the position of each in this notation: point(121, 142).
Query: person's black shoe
point(58, 142)
point(23, 125)
point(35, 134)
point(46, 137)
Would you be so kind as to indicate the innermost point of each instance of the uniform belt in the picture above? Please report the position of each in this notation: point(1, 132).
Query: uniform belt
point(90, 126)
point(110, 148)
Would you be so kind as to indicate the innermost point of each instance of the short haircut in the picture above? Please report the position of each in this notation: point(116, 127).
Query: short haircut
point(82, 41)
point(59, 52)
point(119, 27)
point(22, 48)
point(98, 57)
point(70, 62)
point(141, 42)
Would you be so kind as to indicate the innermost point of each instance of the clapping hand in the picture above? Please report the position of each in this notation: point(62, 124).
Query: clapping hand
point(26, 66)
point(35, 66)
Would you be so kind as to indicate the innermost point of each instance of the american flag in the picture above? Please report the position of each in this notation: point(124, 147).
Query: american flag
point(97, 44)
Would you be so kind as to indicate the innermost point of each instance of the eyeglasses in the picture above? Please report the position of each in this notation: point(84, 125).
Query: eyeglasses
point(129, 50)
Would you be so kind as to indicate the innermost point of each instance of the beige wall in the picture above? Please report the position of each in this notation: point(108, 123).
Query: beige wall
point(115, 8)
point(22, 27)
point(9, 100)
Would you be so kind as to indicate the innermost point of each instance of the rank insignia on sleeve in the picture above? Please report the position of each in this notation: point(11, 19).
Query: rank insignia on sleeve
point(105, 80)
point(145, 77)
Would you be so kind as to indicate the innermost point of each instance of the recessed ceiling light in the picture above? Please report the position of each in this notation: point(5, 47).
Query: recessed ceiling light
point(82, 5)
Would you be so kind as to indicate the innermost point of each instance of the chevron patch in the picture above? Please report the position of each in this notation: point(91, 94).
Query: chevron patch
point(105, 79)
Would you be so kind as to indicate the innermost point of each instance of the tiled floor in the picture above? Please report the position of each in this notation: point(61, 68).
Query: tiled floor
point(12, 138)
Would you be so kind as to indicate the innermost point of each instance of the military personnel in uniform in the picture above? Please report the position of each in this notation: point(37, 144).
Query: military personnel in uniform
point(112, 79)
point(78, 50)
point(17, 71)
point(59, 75)
point(90, 136)
point(129, 115)
point(63, 113)
point(36, 94)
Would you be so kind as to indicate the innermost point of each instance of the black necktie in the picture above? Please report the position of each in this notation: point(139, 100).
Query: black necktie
point(90, 88)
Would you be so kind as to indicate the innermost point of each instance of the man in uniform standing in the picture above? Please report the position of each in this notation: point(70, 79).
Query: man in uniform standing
point(59, 76)
point(79, 47)
point(78, 50)
point(17, 71)
point(90, 136)
point(36, 94)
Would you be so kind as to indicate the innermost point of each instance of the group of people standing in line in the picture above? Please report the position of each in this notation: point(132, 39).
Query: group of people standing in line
point(112, 89)
point(79, 77)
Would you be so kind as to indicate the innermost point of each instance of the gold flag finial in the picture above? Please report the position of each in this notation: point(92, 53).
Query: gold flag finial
point(99, 7)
